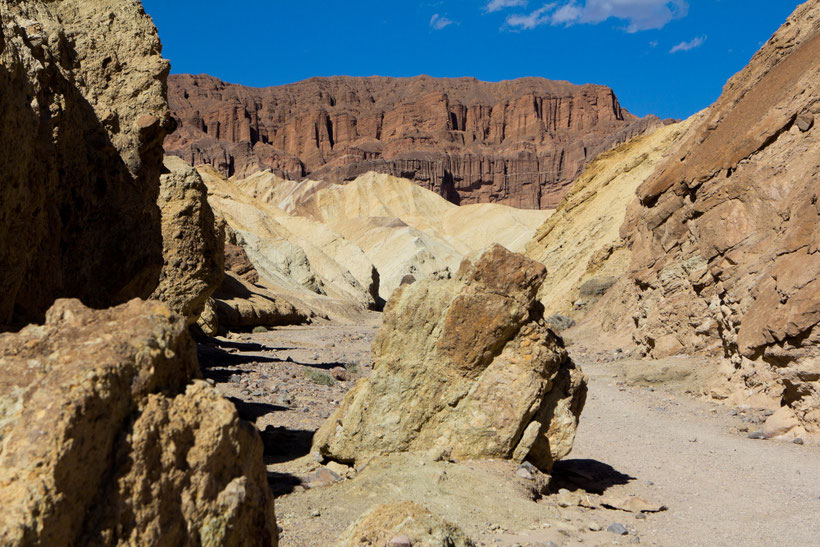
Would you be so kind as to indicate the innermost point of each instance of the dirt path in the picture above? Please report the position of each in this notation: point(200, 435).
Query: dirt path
point(721, 487)
point(691, 455)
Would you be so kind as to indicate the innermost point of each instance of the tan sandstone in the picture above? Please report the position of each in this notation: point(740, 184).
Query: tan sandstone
point(104, 442)
point(487, 377)
point(403, 523)
point(192, 243)
point(84, 113)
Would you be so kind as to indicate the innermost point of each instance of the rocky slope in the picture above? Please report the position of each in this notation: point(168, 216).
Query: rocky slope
point(726, 234)
point(84, 113)
point(402, 228)
point(519, 142)
point(580, 244)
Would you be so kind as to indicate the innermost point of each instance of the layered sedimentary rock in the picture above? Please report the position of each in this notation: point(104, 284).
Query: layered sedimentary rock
point(580, 243)
point(293, 255)
point(192, 244)
point(402, 228)
point(488, 378)
point(83, 114)
point(726, 234)
point(519, 142)
point(104, 441)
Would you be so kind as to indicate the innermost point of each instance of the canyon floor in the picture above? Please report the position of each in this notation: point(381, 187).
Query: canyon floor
point(640, 435)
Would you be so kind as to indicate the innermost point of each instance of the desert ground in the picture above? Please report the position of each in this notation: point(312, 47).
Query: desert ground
point(645, 433)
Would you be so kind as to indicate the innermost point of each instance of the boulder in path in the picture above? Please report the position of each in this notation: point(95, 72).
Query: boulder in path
point(464, 367)
point(103, 440)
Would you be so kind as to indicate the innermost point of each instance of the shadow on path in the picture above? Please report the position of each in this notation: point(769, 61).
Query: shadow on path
point(590, 476)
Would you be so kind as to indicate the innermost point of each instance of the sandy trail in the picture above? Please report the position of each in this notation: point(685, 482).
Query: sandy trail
point(721, 488)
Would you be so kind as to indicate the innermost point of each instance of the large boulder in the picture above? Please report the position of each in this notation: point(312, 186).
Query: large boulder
point(103, 440)
point(83, 113)
point(192, 245)
point(465, 367)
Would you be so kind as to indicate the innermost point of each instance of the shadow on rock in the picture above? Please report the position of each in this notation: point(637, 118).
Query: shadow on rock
point(590, 476)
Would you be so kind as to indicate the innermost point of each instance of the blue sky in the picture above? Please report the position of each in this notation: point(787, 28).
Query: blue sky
point(669, 58)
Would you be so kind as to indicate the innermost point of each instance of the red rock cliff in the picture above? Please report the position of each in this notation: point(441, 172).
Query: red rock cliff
point(520, 142)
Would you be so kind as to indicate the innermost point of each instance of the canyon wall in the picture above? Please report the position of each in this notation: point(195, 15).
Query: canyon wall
point(725, 235)
point(519, 142)
point(83, 113)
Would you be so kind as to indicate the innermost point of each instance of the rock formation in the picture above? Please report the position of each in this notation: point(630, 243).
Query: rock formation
point(192, 244)
point(104, 441)
point(403, 523)
point(487, 377)
point(292, 254)
point(84, 113)
point(402, 228)
point(519, 142)
point(726, 234)
point(580, 244)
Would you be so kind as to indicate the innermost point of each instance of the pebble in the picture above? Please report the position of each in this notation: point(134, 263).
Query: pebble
point(640, 516)
point(400, 541)
point(316, 513)
point(758, 435)
point(693, 439)
point(798, 440)
point(524, 473)
point(595, 527)
point(617, 528)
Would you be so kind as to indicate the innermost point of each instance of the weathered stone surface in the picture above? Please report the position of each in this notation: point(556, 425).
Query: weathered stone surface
point(241, 305)
point(103, 441)
point(83, 115)
point(726, 234)
point(402, 524)
point(465, 367)
point(192, 245)
point(581, 241)
point(520, 142)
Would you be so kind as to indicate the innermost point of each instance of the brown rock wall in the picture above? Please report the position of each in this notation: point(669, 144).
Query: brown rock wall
point(519, 142)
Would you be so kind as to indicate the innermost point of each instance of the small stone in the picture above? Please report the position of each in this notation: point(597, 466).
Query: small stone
point(768, 412)
point(595, 527)
point(640, 516)
point(805, 122)
point(340, 373)
point(524, 473)
point(798, 440)
point(210, 381)
point(400, 541)
point(650, 483)
point(617, 528)
point(693, 439)
point(235, 378)
point(757, 435)
point(316, 513)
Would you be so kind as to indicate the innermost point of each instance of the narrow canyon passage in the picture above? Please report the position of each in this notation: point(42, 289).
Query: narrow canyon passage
point(720, 487)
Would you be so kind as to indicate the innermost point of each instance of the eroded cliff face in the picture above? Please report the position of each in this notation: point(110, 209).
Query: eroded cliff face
point(519, 142)
point(726, 234)
point(83, 113)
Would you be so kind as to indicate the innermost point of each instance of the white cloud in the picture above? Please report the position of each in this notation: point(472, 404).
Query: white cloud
point(691, 44)
point(639, 14)
point(438, 22)
point(497, 5)
point(534, 19)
